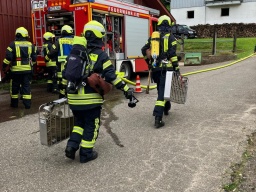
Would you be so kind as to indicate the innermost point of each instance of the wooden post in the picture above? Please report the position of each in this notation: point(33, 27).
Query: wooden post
point(234, 43)
point(214, 41)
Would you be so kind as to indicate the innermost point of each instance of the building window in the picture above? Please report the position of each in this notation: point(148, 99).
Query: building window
point(190, 14)
point(224, 11)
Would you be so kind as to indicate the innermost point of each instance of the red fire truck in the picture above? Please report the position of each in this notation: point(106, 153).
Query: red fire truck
point(128, 27)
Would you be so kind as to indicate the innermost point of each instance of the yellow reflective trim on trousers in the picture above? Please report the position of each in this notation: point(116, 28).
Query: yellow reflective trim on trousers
point(64, 82)
point(160, 103)
point(116, 81)
point(78, 130)
point(9, 48)
point(6, 61)
point(90, 144)
point(21, 68)
point(87, 144)
point(107, 64)
point(14, 96)
point(49, 81)
point(59, 74)
point(85, 96)
point(26, 96)
point(85, 102)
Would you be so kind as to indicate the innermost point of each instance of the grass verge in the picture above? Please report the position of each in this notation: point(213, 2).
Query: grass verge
point(244, 46)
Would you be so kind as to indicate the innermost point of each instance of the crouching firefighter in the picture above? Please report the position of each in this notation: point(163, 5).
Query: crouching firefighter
point(161, 57)
point(86, 98)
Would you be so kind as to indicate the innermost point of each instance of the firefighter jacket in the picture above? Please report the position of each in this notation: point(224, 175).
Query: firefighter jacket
point(46, 49)
point(60, 49)
point(87, 97)
point(167, 51)
point(21, 56)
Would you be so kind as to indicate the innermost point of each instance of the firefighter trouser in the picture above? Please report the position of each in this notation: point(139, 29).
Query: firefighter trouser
point(161, 104)
point(20, 83)
point(85, 131)
point(51, 79)
point(62, 83)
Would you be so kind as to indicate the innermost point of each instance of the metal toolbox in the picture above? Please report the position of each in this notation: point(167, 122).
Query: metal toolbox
point(56, 122)
point(176, 88)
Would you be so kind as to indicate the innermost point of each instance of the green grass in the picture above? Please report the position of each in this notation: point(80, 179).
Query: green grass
point(244, 46)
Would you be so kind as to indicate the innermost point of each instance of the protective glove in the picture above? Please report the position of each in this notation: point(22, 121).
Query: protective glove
point(129, 93)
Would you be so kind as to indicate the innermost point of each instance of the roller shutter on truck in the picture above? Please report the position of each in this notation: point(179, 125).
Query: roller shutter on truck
point(136, 35)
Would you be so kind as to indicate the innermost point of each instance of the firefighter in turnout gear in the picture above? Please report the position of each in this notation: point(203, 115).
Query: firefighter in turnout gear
point(61, 49)
point(20, 57)
point(51, 67)
point(167, 60)
point(86, 102)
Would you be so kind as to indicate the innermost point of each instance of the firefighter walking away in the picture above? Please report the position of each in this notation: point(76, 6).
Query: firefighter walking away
point(160, 54)
point(86, 102)
point(61, 49)
point(20, 58)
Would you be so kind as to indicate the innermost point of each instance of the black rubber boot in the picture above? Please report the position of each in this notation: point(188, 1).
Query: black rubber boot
point(167, 108)
point(89, 157)
point(158, 122)
point(70, 152)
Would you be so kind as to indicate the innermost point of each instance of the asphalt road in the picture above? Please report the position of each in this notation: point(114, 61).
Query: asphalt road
point(191, 153)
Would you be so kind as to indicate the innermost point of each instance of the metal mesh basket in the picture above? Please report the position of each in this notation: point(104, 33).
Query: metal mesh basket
point(179, 89)
point(176, 88)
point(55, 122)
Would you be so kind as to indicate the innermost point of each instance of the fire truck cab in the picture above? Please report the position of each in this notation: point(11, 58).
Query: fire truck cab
point(128, 27)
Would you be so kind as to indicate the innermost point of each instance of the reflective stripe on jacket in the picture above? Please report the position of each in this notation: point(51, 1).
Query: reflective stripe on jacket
point(65, 44)
point(23, 50)
point(46, 49)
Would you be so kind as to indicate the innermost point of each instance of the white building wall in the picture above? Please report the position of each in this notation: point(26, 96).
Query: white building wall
point(243, 13)
point(181, 16)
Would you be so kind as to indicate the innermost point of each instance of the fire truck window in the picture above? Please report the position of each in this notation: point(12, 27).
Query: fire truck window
point(55, 21)
point(117, 34)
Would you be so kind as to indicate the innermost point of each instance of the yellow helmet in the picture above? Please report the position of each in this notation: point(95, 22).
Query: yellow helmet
point(66, 29)
point(22, 31)
point(48, 36)
point(96, 27)
point(164, 18)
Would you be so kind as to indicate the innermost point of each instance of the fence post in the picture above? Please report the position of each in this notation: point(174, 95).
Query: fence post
point(234, 43)
point(214, 41)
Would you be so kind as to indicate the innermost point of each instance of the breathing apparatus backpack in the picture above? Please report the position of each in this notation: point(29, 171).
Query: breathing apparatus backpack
point(75, 69)
point(78, 73)
point(155, 46)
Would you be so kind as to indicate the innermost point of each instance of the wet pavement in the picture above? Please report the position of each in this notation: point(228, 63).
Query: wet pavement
point(191, 153)
point(39, 97)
